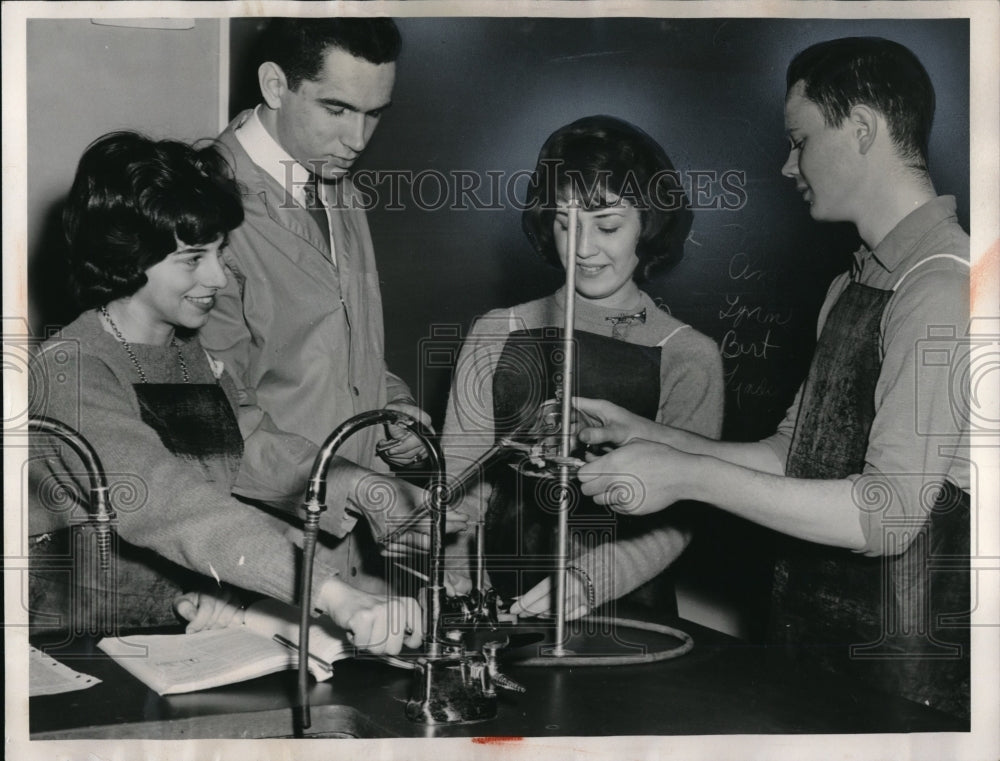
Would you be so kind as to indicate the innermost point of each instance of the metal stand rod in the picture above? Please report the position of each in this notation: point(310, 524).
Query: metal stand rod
point(481, 554)
point(562, 535)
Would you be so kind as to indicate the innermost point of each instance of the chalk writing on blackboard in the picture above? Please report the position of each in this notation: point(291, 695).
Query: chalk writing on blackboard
point(742, 269)
point(735, 312)
point(753, 332)
point(739, 389)
point(734, 346)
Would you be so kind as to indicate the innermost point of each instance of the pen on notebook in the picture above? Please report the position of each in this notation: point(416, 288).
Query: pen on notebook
point(295, 648)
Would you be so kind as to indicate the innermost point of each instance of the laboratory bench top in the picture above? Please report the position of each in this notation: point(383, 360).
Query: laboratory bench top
point(722, 686)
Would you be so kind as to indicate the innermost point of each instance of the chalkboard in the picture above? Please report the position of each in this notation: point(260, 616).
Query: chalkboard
point(473, 103)
point(475, 99)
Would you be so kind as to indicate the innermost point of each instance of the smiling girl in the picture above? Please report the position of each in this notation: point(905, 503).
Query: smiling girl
point(633, 220)
point(145, 221)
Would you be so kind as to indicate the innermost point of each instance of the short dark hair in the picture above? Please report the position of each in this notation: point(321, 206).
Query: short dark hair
point(601, 154)
point(840, 74)
point(132, 199)
point(298, 45)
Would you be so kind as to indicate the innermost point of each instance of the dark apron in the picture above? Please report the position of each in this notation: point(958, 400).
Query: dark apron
point(522, 514)
point(896, 622)
point(196, 423)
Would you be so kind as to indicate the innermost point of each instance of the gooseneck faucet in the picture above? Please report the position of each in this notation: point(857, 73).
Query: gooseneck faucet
point(315, 505)
point(450, 684)
point(100, 510)
point(102, 516)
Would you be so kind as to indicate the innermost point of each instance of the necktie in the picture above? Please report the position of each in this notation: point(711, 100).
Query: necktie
point(315, 206)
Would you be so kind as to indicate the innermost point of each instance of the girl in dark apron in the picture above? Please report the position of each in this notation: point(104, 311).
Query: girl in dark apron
point(146, 222)
point(129, 372)
point(634, 219)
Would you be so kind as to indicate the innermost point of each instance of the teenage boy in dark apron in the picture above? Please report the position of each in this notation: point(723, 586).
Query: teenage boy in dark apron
point(865, 475)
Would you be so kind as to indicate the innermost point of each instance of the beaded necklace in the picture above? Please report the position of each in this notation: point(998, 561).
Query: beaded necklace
point(131, 354)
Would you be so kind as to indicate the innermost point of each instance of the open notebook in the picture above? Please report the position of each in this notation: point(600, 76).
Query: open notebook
point(175, 663)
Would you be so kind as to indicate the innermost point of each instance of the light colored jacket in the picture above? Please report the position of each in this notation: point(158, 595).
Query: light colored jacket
point(302, 338)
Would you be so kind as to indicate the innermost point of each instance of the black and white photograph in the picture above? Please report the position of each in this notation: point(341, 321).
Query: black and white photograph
point(501, 380)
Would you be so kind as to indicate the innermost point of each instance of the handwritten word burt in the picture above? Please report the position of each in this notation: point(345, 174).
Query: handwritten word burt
point(733, 346)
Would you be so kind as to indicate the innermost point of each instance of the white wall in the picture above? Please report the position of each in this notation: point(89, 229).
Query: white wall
point(86, 79)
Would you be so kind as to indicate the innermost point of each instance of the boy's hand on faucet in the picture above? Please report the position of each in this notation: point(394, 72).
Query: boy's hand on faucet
point(401, 447)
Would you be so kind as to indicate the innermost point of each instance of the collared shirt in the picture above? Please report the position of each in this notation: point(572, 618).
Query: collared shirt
point(919, 426)
point(267, 153)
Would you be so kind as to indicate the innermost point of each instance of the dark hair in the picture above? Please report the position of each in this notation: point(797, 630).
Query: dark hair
point(298, 45)
point(598, 155)
point(875, 72)
point(132, 199)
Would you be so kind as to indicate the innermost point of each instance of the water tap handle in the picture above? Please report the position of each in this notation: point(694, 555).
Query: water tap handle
point(490, 651)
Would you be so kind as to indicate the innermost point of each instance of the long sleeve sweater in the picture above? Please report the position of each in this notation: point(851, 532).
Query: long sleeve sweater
point(180, 509)
point(691, 397)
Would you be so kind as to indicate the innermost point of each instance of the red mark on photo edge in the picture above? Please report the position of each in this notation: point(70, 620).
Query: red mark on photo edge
point(985, 281)
point(495, 740)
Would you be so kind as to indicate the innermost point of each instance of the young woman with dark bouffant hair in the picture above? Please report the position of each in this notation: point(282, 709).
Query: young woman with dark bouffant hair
point(146, 221)
point(634, 217)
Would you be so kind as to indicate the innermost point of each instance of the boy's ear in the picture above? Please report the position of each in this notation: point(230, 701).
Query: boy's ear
point(864, 123)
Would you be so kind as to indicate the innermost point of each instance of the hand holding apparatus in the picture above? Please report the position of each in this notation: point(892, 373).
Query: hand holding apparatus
point(542, 448)
point(639, 478)
point(402, 447)
point(538, 600)
point(610, 424)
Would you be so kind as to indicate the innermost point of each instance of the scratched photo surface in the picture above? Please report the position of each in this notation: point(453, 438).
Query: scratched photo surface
point(446, 174)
